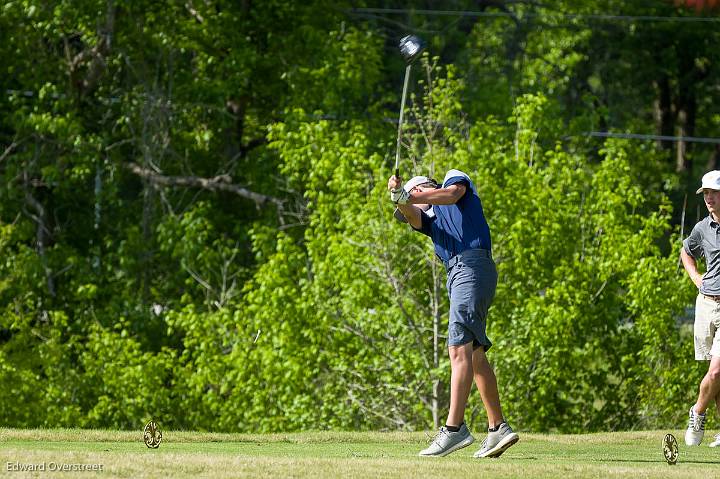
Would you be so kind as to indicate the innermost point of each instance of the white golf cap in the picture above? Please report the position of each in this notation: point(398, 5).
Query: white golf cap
point(710, 180)
point(415, 181)
point(409, 185)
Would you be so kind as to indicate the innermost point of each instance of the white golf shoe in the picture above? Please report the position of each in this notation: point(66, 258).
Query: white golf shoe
point(696, 428)
point(497, 442)
point(716, 441)
point(447, 441)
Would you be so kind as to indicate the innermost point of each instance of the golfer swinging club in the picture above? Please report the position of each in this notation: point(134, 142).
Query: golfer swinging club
point(704, 240)
point(452, 216)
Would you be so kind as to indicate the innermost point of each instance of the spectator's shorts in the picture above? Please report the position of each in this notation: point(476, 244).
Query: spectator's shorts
point(471, 283)
point(707, 327)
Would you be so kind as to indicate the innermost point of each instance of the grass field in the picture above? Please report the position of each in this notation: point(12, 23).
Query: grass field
point(342, 454)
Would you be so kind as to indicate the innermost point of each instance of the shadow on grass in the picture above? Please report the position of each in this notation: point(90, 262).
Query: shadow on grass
point(655, 460)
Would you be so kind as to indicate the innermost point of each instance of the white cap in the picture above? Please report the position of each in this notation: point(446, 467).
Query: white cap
point(711, 181)
point(409, 185)
point(415, 181)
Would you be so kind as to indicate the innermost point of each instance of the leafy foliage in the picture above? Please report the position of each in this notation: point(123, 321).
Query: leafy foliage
point(195, 227)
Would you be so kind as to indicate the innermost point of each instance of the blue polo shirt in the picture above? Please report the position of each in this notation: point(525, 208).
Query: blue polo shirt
point(458, 227)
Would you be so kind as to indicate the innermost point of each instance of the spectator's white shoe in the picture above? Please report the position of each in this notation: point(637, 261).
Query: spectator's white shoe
point(446, 442)
point(497, 442)
point(696, 428)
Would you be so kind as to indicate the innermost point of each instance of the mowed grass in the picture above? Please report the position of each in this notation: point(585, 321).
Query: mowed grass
point(346, 455)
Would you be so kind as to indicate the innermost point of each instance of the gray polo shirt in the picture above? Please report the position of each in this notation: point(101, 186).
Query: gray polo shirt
point(704, 240)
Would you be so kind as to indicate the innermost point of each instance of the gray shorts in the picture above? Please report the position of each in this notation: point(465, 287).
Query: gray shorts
point(471, 283)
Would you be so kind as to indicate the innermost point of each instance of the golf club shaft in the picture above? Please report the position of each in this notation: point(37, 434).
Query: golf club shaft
point(400, 121)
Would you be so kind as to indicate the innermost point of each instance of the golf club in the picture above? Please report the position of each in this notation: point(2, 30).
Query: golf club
point(410, 48)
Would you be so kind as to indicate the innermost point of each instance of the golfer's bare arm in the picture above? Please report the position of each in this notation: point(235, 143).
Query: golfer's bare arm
point(412, 214)
point(691, 267)
point(439, 196)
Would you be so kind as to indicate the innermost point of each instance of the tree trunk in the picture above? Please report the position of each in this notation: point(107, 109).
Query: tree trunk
point(437, 316)
point(662, 112)
point(685, 128)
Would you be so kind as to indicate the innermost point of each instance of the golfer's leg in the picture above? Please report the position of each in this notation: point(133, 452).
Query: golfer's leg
point(460, 381)
point(710, 386)
point(486, 383)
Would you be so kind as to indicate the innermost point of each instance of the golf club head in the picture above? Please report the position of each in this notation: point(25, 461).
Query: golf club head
point(411, 47)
